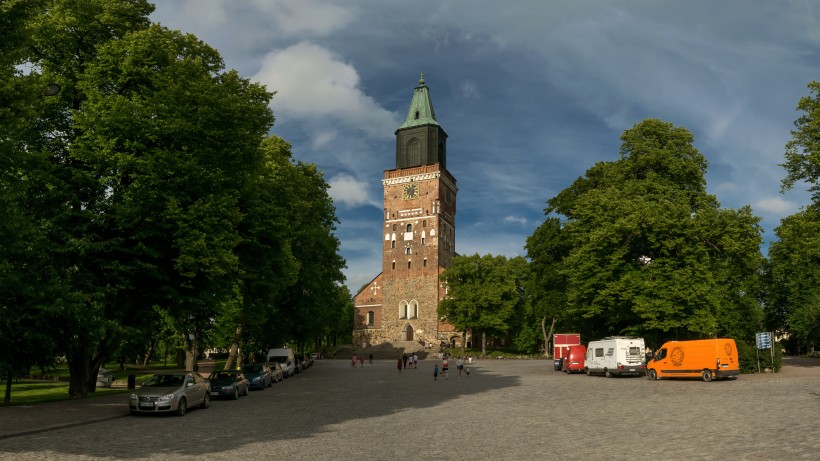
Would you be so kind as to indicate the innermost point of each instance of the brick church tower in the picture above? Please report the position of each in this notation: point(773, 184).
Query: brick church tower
point(399, 306)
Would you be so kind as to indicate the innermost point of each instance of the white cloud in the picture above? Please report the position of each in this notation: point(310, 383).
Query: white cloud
point(776, 205)
point(311, 82)
point(349, 191)
point(300, 16)
point(516, 219)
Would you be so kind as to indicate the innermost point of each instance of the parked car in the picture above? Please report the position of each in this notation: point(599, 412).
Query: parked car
point(259, 375)
point(314, 356)
point(171, 392)
point(277, 373)
point(229, 384)
point(615, 356)
point(574, 361)
point(283, 356)
point(558, 363)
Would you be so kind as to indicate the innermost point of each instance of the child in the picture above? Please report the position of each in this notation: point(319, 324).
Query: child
point(435, 373)
point(445, 367)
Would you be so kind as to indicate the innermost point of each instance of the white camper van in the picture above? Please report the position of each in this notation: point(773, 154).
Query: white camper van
point(284, 356)
point(616, 355)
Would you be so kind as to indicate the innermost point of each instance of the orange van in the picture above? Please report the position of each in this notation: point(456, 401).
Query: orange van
point(707, 359)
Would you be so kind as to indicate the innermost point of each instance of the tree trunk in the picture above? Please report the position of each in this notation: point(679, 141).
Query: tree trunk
point(151, 347)
point(483, 343)
point(463, 342)
point(234, 355)
point(547, 336)
point(7, 396)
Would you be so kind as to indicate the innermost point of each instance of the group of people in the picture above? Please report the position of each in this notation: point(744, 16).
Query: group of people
point(445, 368)
point(408, 361)
point(361, 360)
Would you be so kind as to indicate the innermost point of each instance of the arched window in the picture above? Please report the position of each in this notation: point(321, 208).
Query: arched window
point(407, 251)
point(403, 310)
point(409, 227)
point(414, 310)
point(371, 318)
point(394, 265)
point(413, 152)
point(408, 264)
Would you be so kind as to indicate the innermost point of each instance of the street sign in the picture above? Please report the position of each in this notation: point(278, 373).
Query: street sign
point(764, 340)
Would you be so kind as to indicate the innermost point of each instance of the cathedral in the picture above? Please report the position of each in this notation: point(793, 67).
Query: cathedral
point(399, 306)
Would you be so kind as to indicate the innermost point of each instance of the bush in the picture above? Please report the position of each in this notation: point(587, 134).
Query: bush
point(748, 356)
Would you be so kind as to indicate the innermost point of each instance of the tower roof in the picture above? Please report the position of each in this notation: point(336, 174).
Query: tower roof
point(421, 107)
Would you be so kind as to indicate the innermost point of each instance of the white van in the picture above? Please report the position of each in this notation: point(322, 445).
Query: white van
point(283, 356)
point(615, 355)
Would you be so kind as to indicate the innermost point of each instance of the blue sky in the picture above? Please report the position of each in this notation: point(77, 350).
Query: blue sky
point(531, 94)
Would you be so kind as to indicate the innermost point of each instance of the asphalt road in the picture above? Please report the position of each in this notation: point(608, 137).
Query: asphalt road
point(506, 409)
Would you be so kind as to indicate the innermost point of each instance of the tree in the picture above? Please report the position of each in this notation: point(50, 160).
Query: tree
point(651, 252)
point(484, 293)
point(546, 250)
point(793, 301)
point(803, 150)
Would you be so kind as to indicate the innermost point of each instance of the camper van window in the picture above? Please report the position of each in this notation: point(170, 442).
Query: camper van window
point(610, 352)
point(660, 355)
point(634, 351)
point(599, 352)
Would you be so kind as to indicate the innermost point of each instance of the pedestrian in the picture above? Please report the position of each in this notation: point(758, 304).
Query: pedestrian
point(353, 363)
point(371, 359)
point(361, 361)
point(404, 360)
point(435, 373)
point(459, 366)
point(415, 360)
point(399, 364)
point(445, 365)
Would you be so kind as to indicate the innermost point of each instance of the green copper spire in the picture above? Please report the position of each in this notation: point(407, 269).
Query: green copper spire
point(421, 107)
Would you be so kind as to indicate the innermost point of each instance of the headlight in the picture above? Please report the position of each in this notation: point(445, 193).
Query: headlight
point(229, 386)
point(133, 396)
point(167, 397)
point(257, 379)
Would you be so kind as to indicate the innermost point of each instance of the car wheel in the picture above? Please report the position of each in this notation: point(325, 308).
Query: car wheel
point(706, 375)
point(207, 401)
point(588, 373)
point(235, 393)
point(182, 407)
point(607, 373)
point(653, 375)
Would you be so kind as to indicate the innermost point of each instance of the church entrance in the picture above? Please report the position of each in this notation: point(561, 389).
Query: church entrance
point(408, 333)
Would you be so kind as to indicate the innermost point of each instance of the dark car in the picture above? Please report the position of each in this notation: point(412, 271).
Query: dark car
point(229, 384)
point(259, 375)
point(558, 363)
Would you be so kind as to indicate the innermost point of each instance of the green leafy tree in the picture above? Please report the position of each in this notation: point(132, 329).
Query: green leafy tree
point(484, 294)
point(651, 252)
point(803, 151)
point(546, 250)
point(793, 302)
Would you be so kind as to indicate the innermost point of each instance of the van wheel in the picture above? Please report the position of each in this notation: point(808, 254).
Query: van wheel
point(588, 373)
point(653, 375)
point(706, 375)
point(607, 373)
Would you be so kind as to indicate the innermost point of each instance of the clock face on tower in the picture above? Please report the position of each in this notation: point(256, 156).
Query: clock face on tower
point(410, 191)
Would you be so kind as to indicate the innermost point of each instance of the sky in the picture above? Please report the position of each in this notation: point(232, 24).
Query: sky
point(531, 94)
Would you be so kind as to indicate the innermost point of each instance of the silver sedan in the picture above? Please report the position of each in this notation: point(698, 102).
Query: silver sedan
point(171, 392)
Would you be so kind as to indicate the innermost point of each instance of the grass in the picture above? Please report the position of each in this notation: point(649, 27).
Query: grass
point(31, 391)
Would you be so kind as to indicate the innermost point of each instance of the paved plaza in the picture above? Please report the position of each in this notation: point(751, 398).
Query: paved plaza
point(506, 409)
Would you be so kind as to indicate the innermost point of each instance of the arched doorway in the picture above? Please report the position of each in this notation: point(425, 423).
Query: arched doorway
point(408, 333)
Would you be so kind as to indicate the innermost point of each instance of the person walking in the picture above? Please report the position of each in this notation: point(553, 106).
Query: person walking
point(415, 360)
point(435, 373)
point(459, 366)
point(371, 359)
point(353, 363)
point(445, 366)
point(399, 366)
point(404, 360)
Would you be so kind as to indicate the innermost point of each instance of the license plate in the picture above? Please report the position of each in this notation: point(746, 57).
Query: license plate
point(631, 369)
point(214, 393)
point(147, 405)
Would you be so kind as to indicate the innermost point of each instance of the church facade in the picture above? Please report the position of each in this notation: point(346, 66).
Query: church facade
point(399, 306)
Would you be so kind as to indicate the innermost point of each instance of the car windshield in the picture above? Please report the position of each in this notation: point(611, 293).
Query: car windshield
point(222, 375)
point(165, 381)
point(255, 368)
point(280, 359)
